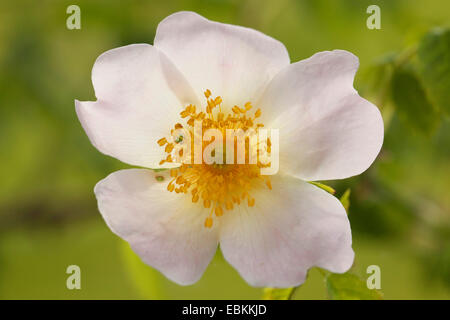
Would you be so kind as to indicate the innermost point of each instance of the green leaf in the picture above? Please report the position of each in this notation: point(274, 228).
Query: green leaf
point(434, 67)
point(324, 187)
point(278, 294)
point(348, 286)
point(374, 79)
point(412, 103)
point(345, 199)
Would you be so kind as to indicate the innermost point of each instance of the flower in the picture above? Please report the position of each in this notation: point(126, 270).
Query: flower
point(272, 229)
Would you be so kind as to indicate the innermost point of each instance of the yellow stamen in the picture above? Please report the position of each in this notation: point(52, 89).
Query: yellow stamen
point(162, 141)
point(208, 222)
point(220, 186)
point(219, 211)
point(169, 148)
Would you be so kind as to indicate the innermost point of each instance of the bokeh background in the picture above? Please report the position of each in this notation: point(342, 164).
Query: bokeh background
point(399, 208)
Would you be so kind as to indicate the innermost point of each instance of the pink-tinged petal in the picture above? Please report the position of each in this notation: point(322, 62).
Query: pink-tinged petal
point(327, 131)
point(232, 61)
point(140, 94)
point(292, 227)
point(166, 230)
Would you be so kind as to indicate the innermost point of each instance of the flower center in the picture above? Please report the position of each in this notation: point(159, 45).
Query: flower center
point(216, 184)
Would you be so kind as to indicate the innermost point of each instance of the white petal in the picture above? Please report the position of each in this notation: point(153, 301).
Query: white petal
point(164, 229)
point(232, 61)
point(292, 227)
point(140, 94)
point(327, 131)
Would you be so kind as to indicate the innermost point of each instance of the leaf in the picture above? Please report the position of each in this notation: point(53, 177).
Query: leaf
point(324, 187)
point(348, 286)
point(278, 294)
point(345, 199)
point(412, 103)
point(374, 79)
point(434, 67)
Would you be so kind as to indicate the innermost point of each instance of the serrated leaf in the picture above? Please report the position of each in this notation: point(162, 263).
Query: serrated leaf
point(434, 67)
point(411, 101)
point(278, 294)
point(345, 199)
point(324, 187)
point(348, 286)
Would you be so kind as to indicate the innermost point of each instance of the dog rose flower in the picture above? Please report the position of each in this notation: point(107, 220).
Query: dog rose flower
point(272, 229)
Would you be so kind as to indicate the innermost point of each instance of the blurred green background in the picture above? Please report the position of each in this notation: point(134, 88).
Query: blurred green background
point(400, 207)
